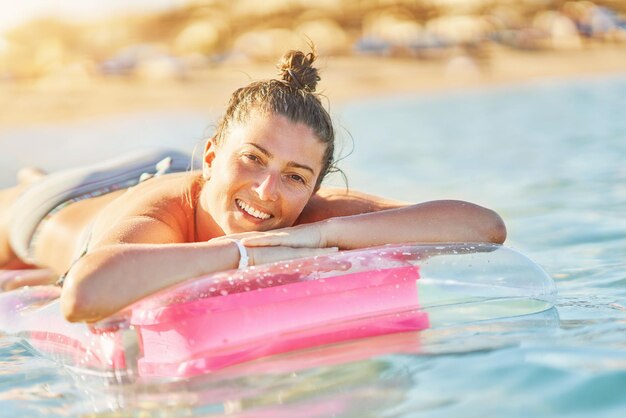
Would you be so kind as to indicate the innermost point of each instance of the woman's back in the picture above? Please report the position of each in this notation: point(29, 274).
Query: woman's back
point(101, 220)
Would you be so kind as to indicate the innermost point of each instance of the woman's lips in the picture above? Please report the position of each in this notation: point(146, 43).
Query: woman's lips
point(251, 211)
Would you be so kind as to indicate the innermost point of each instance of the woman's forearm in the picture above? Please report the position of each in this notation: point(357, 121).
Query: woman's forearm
point(111, 278)
point(436, 221)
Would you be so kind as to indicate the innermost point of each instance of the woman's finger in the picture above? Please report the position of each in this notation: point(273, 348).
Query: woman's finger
point(301, 236)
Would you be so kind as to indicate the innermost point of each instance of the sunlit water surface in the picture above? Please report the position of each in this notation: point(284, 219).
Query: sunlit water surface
point(550, 157)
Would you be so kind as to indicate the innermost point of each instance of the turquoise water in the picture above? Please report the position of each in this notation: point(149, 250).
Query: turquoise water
point(549, 156)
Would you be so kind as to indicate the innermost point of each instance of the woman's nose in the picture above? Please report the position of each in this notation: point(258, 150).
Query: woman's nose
point(267, 189)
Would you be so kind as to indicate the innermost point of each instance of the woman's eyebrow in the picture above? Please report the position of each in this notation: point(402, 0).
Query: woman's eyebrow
point(290, 163)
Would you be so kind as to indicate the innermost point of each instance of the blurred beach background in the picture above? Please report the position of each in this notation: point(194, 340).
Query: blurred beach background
point(70, 60)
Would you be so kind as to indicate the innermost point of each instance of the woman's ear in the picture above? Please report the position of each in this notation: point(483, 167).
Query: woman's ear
point(208, 157)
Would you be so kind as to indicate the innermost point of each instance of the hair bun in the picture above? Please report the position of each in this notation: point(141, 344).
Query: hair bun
point(296, 70)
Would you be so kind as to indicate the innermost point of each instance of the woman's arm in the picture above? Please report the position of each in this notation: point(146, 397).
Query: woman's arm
point(113, 276)
point(436, 221)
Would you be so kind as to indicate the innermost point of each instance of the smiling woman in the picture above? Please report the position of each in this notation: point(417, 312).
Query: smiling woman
point(256, 200)
point(261, 178)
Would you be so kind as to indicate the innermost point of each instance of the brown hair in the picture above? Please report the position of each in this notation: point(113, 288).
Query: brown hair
point(292, 96)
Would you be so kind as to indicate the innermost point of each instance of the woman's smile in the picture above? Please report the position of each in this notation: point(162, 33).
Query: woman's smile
point(251, 212)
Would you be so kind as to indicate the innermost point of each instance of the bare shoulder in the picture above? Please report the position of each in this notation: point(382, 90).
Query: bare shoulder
point(157, 210)
point(335, 202)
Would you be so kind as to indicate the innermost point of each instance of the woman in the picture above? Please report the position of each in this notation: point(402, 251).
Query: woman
point(256, 200)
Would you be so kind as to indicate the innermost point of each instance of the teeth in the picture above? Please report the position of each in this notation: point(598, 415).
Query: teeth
point(251, 211)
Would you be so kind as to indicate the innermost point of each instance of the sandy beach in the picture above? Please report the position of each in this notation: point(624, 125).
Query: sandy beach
point(344, 79)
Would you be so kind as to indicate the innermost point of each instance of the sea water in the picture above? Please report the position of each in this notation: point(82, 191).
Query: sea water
point(549, 156)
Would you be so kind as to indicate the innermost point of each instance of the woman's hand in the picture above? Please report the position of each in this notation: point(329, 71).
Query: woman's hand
point(283, 244)
point(265, 255)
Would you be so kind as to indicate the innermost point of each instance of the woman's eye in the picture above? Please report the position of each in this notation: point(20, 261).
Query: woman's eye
point(252, 157)
point(298, 178)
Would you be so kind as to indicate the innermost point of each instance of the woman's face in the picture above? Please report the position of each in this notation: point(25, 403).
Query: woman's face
point(261, 175)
